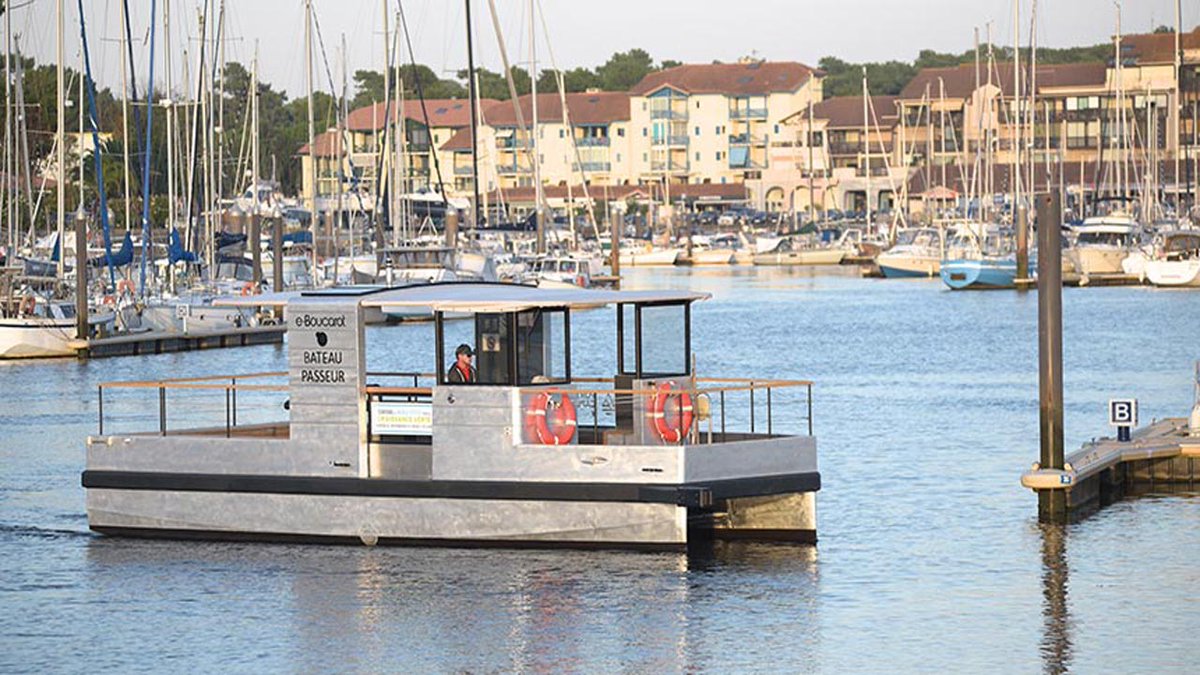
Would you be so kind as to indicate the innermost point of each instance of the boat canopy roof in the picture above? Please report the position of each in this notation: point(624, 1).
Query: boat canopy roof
point(470, 297)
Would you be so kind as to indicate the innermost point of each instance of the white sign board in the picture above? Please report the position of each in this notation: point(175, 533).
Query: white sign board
point(401, 418)
point(324, 348)
point(1123, 412)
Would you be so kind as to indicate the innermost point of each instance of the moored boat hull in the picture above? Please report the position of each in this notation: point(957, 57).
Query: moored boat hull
point(831, 256)
point(35, 338)
point(908, 267)
point(1173, 273)
point(979, 274)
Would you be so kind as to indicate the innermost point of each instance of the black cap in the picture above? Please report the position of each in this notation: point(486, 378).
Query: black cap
point(464, 349)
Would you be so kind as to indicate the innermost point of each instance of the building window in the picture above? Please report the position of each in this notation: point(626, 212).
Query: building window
point(621, 132)
point(618, 157)
point(776, 128)
point(697, 157)
point(643, 105)
point(697, 131)
point(722, 180)
point(697, 105)
point(645, 132)
point(719, 153)
point(645, 157)
point(561, 134)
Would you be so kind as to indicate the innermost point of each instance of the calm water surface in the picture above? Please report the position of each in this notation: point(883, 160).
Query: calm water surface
point(930, 554)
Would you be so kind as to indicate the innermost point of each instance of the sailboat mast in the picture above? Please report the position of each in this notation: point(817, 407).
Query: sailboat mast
point(473, 98)
point(386, 146)
point(312, 143)
point(812, 218)
point(170, 102)
point(125, 115)
point(1016, 134)
point(1177, 103)
point(255, 222)
point(9, 164)
point(537, 169)
point(60, 141)
point(866, 148)
point(145, 164)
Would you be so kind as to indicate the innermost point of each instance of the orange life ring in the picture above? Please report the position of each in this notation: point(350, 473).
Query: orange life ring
point(109, 300)
point(580, 281)
point(671, 431)
point(551, 428)
point(125, 286)
point(249, 289)
point(28, 304)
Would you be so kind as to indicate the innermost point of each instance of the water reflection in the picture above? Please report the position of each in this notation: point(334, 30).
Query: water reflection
point(1056, 620)
point(354, 608)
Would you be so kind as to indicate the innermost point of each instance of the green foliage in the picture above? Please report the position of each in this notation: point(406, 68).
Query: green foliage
point(625, 69)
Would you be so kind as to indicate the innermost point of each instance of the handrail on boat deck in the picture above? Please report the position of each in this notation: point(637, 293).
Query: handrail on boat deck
point(210, 383)
point(718, 388)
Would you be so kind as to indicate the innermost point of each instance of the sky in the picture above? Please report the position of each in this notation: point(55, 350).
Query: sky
point(581, 33)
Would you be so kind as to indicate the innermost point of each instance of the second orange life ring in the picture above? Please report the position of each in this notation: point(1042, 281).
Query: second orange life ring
point(671, 431)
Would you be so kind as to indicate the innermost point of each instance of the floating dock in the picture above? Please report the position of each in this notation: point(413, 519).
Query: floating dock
point(1162, 457)
point(162, 342)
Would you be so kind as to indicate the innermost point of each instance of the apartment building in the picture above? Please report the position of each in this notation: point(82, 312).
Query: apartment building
point(589, 144)
point(834, 160)
point(713, 123)
point(427, 125)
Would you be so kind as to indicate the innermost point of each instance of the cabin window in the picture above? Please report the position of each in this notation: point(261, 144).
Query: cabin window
point(654, 339)
point(511, 348)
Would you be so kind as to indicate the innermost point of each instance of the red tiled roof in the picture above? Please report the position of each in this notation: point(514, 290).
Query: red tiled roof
point(1159, 47)
point(443, 112)
point(603, 107)
point(329, 144)
point(847, 111)
point(759, 78)
point(959, 81)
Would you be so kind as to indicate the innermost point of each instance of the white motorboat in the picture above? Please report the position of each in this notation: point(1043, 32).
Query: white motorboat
point(917, 253)
point(35, 327)
point(1103, 242)
point(634, 255)
point(518, 455)
point(800, 250)
point(1177, 263)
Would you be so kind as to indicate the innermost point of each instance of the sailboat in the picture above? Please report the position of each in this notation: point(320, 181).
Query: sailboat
point(1177, 262)
point(979, 259)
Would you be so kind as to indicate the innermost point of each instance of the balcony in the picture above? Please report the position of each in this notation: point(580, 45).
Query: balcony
point(747, 113)
point(593, 142)
point(659, 165)
point(511, 169)
point(671, 141)
point(462, 170)
point(594, 167)
point(844, 148)
point(747, 139)
point(507, 143)
point(668, 114)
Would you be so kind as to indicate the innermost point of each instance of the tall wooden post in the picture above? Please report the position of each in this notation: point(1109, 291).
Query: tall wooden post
point(1052, 504)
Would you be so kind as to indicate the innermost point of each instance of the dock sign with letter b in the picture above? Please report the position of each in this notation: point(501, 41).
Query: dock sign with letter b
point(1122, 412)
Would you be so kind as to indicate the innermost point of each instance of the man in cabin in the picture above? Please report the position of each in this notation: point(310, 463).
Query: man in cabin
point(462, 372)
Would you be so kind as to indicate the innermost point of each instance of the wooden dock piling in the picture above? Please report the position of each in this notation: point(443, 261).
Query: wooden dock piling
point(1052, 504)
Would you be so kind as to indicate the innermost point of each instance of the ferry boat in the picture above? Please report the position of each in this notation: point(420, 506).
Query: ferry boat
point(524, 452)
